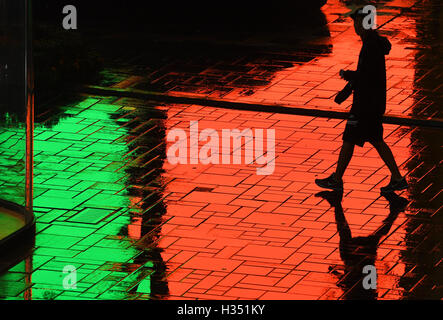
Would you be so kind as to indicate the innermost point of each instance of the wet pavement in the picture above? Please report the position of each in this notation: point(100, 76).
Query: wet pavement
point(108, 202)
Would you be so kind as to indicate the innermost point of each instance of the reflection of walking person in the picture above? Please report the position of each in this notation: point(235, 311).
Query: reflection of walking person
point(358, 251)
point(368, 84)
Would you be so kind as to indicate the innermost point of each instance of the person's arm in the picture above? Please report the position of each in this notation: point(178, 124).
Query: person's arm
point(349, 75)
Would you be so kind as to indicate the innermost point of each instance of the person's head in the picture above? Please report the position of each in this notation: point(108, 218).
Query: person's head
point(358, 25)
point(358, 17)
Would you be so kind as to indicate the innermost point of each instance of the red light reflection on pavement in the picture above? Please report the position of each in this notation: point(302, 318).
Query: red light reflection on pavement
point(233, 234)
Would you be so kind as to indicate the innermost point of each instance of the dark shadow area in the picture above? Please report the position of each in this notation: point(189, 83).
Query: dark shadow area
point(17, 223)
point(12, 57)
point(423, 256)
point(358, 252)
point(171, 45)
point(146, 189)
point(182, 17)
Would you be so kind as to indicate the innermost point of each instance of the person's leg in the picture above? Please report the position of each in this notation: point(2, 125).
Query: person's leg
point(388, 158)
point(335, 180)
point(346, 152)
point(351, 137)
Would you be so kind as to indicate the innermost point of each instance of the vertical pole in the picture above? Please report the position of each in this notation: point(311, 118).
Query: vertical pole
point(29, 74)
point(29, 70)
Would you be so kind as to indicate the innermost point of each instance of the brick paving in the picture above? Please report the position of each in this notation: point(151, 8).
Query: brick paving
point(137, 227)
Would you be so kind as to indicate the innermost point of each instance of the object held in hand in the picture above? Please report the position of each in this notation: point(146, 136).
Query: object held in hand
point(343, 94)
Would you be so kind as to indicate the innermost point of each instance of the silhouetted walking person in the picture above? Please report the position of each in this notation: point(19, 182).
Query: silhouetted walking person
point(368, 83)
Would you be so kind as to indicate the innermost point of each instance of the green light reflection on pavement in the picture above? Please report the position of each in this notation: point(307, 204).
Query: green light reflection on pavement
point(78, 176)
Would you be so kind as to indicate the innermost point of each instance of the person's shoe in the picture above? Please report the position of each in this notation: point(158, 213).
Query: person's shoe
point(331, 182)
point(395, 185)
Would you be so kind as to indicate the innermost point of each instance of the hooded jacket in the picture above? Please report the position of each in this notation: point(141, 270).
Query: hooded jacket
point(369, 80)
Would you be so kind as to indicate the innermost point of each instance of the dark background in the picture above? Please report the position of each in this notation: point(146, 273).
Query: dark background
point(183, 14)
